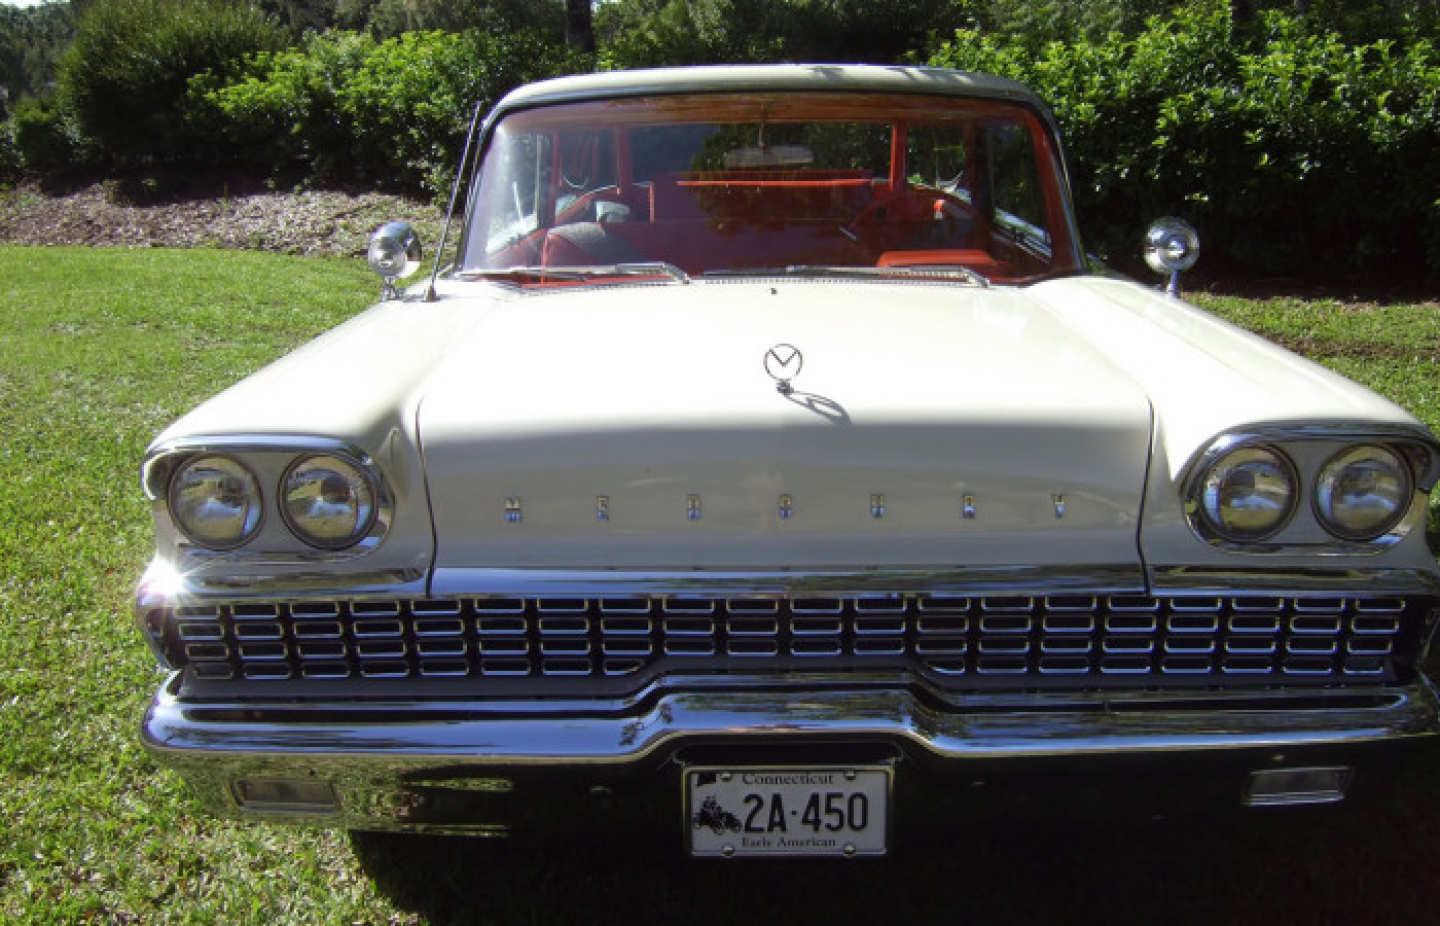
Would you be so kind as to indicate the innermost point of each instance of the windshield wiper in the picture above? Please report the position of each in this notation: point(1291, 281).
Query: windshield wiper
point(653, 268)
point(908, 271)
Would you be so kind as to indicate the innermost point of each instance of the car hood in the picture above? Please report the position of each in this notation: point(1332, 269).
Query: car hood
point(636, 426)
point(1206, 377)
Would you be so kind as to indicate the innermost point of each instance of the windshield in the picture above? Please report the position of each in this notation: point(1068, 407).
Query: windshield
point(771, 183)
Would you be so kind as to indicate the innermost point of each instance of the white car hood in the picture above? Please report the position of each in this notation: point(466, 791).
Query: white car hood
point(654, 399)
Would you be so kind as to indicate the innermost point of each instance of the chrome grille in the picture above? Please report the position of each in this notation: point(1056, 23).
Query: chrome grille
point(953, 639)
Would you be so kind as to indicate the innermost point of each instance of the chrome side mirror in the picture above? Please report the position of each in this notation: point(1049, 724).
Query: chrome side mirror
point(394, 253)
point(1171, 245)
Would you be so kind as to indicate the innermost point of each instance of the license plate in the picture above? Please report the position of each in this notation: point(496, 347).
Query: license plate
point(790, 810)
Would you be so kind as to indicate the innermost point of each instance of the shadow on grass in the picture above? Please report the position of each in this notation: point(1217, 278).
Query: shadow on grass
point(1288, 865)
point(1375, 288)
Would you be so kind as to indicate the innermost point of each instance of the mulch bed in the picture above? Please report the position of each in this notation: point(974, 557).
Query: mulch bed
point(120, 214)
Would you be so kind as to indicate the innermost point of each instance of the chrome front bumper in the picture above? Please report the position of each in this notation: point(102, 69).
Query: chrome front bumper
point(398, 765)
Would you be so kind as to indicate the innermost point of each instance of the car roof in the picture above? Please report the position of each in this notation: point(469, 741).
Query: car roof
point(862, 78)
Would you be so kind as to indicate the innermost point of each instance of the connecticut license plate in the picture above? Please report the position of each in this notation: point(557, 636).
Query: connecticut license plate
point(787, 810)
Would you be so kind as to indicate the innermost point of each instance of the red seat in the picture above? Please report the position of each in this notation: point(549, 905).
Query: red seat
point(696, 245)
point(975, 259)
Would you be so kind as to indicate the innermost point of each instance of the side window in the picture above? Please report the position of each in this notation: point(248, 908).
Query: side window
point(1015, 182)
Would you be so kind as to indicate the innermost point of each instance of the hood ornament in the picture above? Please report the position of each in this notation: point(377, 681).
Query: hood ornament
point(783, 362)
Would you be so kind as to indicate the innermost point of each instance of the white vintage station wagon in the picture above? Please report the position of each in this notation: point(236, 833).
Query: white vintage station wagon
point(763, 462)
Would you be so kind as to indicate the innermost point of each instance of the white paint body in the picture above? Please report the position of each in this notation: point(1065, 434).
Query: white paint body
point(1095, 390)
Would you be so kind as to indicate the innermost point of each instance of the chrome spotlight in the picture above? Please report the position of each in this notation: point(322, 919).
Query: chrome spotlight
point(394, 254)
point(1171, 245)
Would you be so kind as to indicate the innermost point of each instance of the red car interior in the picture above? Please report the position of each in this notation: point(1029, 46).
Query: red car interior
point(746, 218)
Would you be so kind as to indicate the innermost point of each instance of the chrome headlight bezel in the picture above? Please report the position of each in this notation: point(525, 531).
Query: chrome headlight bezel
point(1322, 495)
point(338, 464)
point(1311, 447)
point(1249, 455)
point(252, 517)
point(268, 457)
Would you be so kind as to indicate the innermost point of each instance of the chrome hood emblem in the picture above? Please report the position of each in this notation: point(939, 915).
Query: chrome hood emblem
point(783, 362)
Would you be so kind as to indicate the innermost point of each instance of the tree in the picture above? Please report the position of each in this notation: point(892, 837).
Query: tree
point(31, 43)
point(387, 18)
point(300, 16)
point(579, 27)
point(656, 32)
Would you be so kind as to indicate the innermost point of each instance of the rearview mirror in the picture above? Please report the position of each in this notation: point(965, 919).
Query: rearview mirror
point(769, 156)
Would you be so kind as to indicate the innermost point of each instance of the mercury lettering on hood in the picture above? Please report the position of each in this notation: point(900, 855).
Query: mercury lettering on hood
point(970, 417)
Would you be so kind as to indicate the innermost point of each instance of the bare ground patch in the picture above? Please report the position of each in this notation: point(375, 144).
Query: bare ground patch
point(305, 222)
point(1319, 346)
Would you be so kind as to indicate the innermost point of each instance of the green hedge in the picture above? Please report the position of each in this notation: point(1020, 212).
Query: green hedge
point(12, 166)
point(1290, 151)
point(126, 77)
point(43, 136)
point(1290, 148)
point(177, 84)
point(393, 113)
point(281, 113)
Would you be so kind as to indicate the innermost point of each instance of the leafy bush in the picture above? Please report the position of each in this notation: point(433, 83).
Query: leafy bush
point(282, 110)
point(392, 113)
point(125, 78)
point(1366, 21)
point(1291, 151)
point(10, 163)
point(45, 140)
point(642, 33)
point(411, 101)
point(389, 18)
point(1038, 22)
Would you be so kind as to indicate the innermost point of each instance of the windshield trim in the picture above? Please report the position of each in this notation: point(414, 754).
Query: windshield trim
point(937, 272)
point(1024, 101)
point(653, 269)
point(945, 83)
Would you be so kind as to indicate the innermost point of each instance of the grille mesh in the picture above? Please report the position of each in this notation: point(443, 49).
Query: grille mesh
point(954, 639)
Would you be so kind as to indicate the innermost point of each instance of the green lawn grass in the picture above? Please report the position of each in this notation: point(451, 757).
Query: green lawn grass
point(99, 349)
point(1392, 348)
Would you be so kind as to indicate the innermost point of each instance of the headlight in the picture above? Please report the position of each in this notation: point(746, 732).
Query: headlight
point(327, 502)
point(1362, 492)
point(216, 502)
point(1249, 493)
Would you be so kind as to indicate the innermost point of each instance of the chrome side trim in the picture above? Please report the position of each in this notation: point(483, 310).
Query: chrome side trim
point(1284, 582)
point(595, 582)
